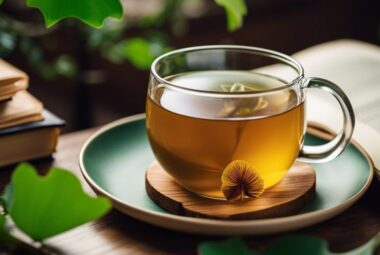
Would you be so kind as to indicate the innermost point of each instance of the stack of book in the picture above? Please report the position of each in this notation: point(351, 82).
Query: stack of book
point(27, 130)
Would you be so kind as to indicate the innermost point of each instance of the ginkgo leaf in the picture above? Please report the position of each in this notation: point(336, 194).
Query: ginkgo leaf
point(45, 206)
point(235, 11)
point(229, 246)
point(287, 245)
point(92, 12)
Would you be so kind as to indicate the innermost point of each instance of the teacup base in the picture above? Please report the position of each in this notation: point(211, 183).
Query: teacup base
point(289, 196)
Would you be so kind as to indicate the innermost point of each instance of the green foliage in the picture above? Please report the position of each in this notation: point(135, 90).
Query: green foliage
point(7, 42)
point(235, 11)
point(65, 65)
point(230, 246)
point(109, 41)
point(288, 245)
point(137, 51)
point(92, 12)
point(45, 206)
point(298, 245)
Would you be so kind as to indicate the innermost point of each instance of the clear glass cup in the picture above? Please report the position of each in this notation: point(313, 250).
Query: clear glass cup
point(211, 109)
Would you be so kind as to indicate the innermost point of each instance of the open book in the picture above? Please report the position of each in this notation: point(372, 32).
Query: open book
point(355, 67)
point(12, 80)
point(22, 108)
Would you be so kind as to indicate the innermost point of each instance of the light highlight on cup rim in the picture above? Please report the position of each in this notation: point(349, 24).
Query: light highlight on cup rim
point(291, 62)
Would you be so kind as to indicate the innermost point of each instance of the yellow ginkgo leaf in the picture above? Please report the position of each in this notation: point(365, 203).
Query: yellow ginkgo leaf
point(240, 180)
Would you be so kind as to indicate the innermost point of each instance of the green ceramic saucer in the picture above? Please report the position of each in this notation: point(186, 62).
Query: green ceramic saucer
point(114, 161)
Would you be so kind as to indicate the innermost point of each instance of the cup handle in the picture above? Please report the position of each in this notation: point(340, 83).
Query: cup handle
point(330, 150)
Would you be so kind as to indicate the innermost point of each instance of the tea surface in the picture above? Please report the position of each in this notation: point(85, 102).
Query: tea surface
point(195, 137)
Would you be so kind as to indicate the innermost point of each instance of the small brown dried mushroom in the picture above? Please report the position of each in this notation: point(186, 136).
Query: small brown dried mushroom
point(240, 179)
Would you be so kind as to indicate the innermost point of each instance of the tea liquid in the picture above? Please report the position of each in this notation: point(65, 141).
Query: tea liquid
point(195, 137)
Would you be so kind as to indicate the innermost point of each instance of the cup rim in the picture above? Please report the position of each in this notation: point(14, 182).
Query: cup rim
point(293, 63)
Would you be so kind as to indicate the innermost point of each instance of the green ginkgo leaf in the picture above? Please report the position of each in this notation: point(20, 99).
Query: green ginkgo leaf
point(288, 245)
point(235, 11)
point(92, 12)
point(229, 246)
point(45, 206)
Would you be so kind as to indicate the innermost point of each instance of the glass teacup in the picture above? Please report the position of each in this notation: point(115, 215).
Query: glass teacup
point(219, 114)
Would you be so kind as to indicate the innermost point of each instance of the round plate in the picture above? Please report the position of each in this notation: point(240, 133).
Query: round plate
point(114, 160)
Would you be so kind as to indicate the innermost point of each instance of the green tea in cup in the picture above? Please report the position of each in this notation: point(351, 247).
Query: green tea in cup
point(207, 112)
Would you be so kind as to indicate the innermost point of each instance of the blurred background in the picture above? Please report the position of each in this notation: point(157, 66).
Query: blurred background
point(90, 77)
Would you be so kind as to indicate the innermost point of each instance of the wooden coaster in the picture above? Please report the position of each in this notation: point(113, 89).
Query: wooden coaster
point(290, 195)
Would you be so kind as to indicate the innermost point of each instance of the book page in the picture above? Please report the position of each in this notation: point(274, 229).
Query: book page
point(355, 67)
point(12, 80)
point(21, 109)
point(352, 65)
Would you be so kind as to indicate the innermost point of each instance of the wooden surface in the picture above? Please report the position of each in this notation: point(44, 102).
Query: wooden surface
point(293, 193)
point(119, 234)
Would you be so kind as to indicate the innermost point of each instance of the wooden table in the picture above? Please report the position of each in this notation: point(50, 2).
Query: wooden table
point(120, 234)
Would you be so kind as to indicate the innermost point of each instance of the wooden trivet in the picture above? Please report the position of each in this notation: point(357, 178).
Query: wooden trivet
point(290, 195)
